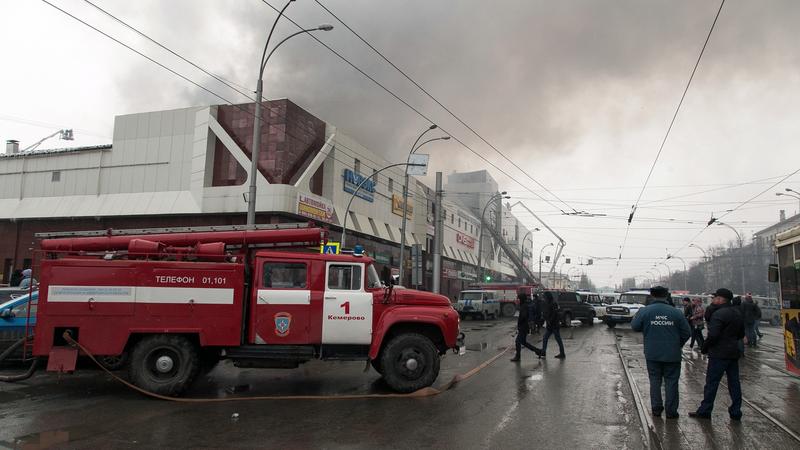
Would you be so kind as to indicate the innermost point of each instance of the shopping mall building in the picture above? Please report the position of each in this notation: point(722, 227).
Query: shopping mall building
point(190, 167)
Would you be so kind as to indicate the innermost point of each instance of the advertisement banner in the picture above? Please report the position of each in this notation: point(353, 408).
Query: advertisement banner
point(397, 207)
point(465, 240)
point(351, 182)
point(316, 208)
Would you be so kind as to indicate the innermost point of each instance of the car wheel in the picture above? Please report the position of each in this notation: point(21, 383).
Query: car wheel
point(164, 364)
point(567, 320)
point(410, 362)
point(509, 309)
point(611, 324)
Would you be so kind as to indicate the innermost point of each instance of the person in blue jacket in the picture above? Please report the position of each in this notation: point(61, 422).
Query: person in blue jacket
point(665, 330)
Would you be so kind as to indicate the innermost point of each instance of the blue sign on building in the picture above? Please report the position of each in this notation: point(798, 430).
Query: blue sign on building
point(351, 182)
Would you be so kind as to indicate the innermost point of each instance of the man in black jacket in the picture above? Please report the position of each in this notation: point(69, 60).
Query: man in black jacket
point(523, 328)
point(552, 323)
point(751, 313)
point(725, 330)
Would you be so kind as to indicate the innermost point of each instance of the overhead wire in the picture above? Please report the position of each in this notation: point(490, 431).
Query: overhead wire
point(415, 110)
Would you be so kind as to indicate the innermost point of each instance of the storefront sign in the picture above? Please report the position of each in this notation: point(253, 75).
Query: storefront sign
point(450, 273)
point(316, 208)
point(397, 207)
point(351, 182)
point(465, 240)
point(382, 259)
point(464, 275)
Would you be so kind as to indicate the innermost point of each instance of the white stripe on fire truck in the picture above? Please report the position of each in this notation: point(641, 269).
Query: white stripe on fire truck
point(139, 294)
point(284, 297)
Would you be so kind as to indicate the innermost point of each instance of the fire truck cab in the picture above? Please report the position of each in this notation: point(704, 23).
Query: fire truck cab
point(174, 304)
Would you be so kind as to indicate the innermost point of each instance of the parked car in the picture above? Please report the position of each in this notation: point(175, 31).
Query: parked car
point(573, 306)
point(596, 301)
point(14, 320)
point(478, 303)
point(628, 305)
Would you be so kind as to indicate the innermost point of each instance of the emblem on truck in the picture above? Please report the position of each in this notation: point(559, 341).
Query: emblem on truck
point(283, 323)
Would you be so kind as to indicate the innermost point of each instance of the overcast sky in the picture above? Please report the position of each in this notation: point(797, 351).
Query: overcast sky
point(577, 93)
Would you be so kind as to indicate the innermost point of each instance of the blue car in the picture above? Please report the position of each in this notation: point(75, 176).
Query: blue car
point(14, 318)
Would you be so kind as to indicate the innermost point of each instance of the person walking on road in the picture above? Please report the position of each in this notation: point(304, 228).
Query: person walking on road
point(523, 328)
point(725, 332)
point(553, 325)
point(751, 314)
point(536, 314)
point(687, 308)
point(697, 321)
point(665, 332)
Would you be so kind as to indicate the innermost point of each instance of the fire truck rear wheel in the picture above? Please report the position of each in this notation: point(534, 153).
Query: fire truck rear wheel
point(164, 364)
point(410, 362)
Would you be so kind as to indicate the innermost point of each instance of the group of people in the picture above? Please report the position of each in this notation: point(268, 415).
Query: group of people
point(697, 316)
point(666, 331)
point(532, 313)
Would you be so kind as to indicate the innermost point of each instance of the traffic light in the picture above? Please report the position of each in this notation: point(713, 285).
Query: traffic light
point(487, 278)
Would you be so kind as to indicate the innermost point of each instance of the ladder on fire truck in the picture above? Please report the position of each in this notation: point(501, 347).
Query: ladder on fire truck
point(519, 264)
point(167, 230)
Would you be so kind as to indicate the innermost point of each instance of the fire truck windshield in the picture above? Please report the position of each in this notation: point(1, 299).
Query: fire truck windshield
point(373, 280)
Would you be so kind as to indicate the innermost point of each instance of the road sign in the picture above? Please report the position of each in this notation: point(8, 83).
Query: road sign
point(331, 248)
point(418, 164)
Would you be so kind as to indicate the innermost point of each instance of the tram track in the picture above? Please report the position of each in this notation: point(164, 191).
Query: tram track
point(650, 433)
point(774, 420)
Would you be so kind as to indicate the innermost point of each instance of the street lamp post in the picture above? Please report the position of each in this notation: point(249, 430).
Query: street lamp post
point(414, 148)
point(669, 272)
point(705, 255)
point(741, 250)
point(653, 277)
point(357, 189)
point(790, 195)
point(685, 274)
point(480, 235)
point(540, 259)
point(522, 245)
point(251, 198)
point(660, 277)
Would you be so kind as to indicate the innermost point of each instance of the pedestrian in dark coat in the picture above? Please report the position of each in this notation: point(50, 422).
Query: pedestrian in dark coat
point(523, 328)
point(536, 314)
point(16, 278)
point(750, 313)
point(665, 331)
point(552, 323)
point(725, 332)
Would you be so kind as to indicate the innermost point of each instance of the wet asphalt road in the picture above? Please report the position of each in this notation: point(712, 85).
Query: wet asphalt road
point(581, 402)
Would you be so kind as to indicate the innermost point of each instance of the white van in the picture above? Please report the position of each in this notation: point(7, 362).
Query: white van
point(478, 303)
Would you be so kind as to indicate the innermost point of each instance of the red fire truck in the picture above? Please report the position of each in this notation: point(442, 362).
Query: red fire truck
point(174, 302)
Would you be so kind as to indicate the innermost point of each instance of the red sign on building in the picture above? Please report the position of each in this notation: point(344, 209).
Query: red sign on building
point(466, 241)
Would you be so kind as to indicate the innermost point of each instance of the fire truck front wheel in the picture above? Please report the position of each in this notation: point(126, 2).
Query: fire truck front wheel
point(164, 364)
point(410, 362)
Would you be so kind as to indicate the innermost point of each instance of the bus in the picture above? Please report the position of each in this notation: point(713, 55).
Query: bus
point(787, 274)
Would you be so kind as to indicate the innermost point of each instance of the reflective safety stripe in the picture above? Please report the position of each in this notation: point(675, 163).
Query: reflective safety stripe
point(139, 294)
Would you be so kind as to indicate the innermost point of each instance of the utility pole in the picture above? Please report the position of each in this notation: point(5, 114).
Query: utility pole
point(438, 234)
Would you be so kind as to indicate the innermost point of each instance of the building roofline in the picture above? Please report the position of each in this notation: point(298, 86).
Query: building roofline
point(48, 152)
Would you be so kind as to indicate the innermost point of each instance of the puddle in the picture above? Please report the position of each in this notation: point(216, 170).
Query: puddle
point(45, 439)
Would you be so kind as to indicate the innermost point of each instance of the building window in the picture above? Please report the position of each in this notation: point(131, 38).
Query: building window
point(357, 165)
point(389, 230)
point(56, 176)
point(391, 185)
point(374, 228)
point(459, 222)
point(452, 218)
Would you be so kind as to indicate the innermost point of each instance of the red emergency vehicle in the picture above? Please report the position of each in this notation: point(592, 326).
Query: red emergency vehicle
point(175, 302)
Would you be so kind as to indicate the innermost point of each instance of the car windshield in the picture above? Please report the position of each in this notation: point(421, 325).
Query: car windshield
point(471, 295)
point(634, 298)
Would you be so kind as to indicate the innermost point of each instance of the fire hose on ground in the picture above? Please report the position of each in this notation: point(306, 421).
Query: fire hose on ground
point(25, 375)
point(425, 392)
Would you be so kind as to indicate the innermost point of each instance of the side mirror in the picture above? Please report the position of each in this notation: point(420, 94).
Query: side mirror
point(772, 273)
point(7, 313)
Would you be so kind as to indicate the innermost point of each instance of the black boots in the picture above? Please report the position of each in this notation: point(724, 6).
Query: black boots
point(515, 358)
